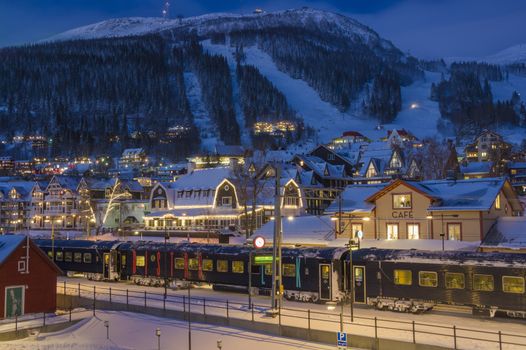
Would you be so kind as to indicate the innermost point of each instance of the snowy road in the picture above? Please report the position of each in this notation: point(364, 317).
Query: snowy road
point(431, 328)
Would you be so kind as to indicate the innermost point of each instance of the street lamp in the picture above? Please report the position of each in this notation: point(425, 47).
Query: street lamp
point(107, 325)
point(53, 234)
point(158, 334)
point(442, 233)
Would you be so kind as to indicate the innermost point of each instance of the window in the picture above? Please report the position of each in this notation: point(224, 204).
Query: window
point(289, 270)
point(483, 283)
point(268, 269)
point(193, 264)
point(77, 257)
point(395, 161)
point(179, 263)
point(454, 232)
point(208, 265)
point(512, 284)
point(222, 266)
point(427, 279)
point(330, 156)
point(50, 254)
point(87, 258)
point(392, 231)
point(455, 280)
point(188, 194)
point(21, 266)
point(371, 171)
point(403, 277)
point(355, 228)
point(140, 261)
point(402, 201)
point(59, 256)
point(413, 231)
point(68, 257)
point(497, 202)
point(237, 266)
point(226, 201)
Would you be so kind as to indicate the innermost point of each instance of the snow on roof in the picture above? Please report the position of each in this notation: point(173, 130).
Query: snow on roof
point(354, 199)
point(200, 179)
point(230, 150)
point(352, 133)
point(474, 194)
point(69, 182)
point(508, 232)
point(301, 230)
point(516, 165)
point(476, 168)
point(419, 244)
point(192, 212)
point(132, 152)
point(8, 244)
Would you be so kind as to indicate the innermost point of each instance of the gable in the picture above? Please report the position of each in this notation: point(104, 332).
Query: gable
point(224, 191)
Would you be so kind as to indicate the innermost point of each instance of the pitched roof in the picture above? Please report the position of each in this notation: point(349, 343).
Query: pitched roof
point(508, 232)
point(476, 168)
point(8, 244)
point(354, 199)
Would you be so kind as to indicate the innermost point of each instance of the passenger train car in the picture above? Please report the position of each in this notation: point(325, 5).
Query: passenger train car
point(398, 280)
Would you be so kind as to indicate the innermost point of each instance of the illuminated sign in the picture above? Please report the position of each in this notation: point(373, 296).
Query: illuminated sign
point(263, 259)
point(259, 242)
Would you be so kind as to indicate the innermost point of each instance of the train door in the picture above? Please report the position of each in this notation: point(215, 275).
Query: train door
point(359, 284)
point(106, 263)
point(325, 282)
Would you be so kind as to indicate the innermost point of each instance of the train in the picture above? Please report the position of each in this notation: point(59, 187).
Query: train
point(398, 280)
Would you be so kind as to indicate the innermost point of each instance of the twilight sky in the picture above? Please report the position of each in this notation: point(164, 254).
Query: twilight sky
point(425, 28)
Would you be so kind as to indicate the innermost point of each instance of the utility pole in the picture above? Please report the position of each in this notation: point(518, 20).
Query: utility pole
point(166, 238)
point(276, 242)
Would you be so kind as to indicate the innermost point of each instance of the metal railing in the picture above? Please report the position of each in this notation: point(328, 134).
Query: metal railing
point(33, 321)
point(372, 327)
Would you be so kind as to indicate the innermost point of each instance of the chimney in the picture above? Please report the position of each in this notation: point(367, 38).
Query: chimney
point(190, 166)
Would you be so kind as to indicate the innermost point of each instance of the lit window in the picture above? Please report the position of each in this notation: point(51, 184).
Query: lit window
point(402, 201)
point(289, 270)
point(497, 202)
point(427, 279)
point(371, 171)
point(511, 284)
point(268, 269)
point(413, 231)
point(392, 231)
point(454, 232)
point(59, 256)
point(226, 201)
point(87, 258)
point(484, 154)
point(77, 257)
point(355, 228)
point(208, 265)
point(50, 254)
point(238, 267)
point(483, 283)
point(222, 266)
point(179, 263)
point(403, 277)
point(193, 264)
point(68, 257)
point(140, 261)
point(455, 280)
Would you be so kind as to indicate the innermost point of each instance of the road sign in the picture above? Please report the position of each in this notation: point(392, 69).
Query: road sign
point(259, 242)
point(342, 340)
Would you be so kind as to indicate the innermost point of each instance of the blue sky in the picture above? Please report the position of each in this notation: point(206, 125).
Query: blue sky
point(426, 28)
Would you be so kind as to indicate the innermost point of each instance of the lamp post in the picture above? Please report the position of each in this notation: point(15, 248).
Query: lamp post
point(158, 334)
point(107, 325)
point(53, 234)
point(189, 320)
point(442, 230)
point(166, 238)
point(276, 244)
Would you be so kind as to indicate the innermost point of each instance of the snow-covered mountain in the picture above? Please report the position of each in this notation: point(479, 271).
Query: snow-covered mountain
point(304, 18)
point(513, 54)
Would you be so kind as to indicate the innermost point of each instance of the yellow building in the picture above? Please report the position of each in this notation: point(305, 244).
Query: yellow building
point(455, 210)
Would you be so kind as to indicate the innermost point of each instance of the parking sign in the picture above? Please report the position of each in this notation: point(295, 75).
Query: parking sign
point(342, 339)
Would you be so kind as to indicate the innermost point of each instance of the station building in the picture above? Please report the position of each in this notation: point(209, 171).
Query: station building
point(28, 278)
point(462, 210)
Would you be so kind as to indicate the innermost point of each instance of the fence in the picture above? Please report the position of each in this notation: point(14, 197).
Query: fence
point(200, 308)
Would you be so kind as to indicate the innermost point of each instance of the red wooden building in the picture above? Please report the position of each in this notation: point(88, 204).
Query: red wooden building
point(28, 278)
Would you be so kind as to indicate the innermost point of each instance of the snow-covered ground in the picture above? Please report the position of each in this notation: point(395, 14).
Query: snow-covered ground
point(138, 331)
point(437, 323)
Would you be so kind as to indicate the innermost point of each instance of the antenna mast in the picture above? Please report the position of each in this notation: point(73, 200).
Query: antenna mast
point(166, 9)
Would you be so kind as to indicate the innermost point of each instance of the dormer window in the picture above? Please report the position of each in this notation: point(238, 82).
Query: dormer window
point(396, 162)
point(226, 201)
point(402, 201)
point(371, 171)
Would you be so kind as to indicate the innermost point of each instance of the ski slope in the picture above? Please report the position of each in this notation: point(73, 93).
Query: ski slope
point(325, 118)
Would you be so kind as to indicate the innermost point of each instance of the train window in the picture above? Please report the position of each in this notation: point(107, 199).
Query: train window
point(193, 264)
point(50, 254)
point(268, 269)
point(238, 266)
point(179, 263)
point(289, 270)
point(483, 283)
point(427, 279)
point(68, 257)
point(59, 256)
point(403, 277)
point(222, 266)
point(140, 261)
point(513, 284)
point(87, 258)
point(455, 280)
point(208, 265)
point(77, 257)
point(152, 258)
point(123, 260)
